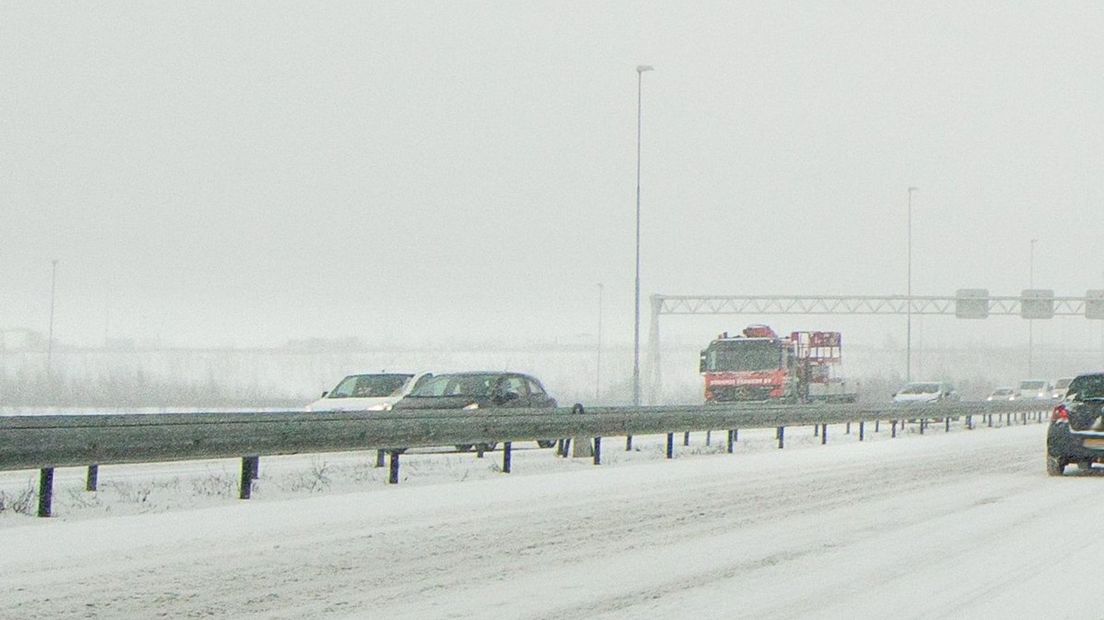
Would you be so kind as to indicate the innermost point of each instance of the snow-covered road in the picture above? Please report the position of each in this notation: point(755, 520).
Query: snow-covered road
point(965, 524)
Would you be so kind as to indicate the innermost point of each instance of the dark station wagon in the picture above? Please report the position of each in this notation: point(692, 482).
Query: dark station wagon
point(1076, 431)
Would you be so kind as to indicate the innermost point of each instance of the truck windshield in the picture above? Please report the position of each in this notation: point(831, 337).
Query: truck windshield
point(743, 355)
point(1087, 386)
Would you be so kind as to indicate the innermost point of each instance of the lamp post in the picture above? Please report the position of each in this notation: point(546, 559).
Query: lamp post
point(640, 69)
point(1031, 322)
point(50, 337)
point(598, 363)
point(908, 294)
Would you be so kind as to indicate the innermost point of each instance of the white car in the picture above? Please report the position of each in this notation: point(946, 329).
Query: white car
point(1061, 386)
point(1033, 389)
point(1002, 393)
point(926, 392)
point(368, 392)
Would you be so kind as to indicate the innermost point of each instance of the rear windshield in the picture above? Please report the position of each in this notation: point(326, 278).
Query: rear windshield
point(1087, 386)
point(1032, 385)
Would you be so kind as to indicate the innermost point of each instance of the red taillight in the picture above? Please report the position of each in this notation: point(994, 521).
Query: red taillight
point(1060, 414)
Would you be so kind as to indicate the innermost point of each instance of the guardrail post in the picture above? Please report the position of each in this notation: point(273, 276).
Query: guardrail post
point(893, 428)
point(597, 450)
point(379, 458)
point(393, 474)
point(877, 425)
point(45, 491)
point(670, 445)
point(946, 424)
point(816, 430)
point(989, 420)
point(479, 447)
point(781, 436)
point(847, 431)
point(248, 466)
point(823, 434)
point(862, 432)
point(970, 422)
point(686, 438)
point(1024, 416)
point(628, 443)
point(731, 441)
point(506, 449)
point(708, 437)
point(923, 423)
point(91, 481)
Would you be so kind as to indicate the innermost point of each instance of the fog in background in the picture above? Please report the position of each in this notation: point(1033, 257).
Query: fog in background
point(410, 174)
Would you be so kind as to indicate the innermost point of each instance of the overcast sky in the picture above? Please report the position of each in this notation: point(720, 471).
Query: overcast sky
point(216, 173)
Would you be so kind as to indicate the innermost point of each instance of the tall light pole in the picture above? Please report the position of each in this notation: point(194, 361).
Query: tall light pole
point(640, 69)
point(50, 337)
point(908, 294)
point(598, 364)
point(1030, 322)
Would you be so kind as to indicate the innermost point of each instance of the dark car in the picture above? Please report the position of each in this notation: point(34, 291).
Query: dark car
point(479, 390)
point(1076, 431)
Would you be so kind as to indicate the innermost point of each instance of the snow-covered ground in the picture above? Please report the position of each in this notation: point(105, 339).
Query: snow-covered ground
point(964, 524)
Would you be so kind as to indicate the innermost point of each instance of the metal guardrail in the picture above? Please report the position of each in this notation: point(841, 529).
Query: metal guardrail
point(46, 442)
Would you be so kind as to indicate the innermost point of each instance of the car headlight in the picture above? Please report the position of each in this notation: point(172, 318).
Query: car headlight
point(472, 406)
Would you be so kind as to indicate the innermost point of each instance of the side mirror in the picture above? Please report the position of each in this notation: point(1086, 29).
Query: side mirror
point(324, 394)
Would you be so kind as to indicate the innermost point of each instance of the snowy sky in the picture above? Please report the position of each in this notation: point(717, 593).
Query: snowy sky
point(216, 173)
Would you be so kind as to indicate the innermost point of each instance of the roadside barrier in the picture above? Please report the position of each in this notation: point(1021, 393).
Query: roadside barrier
point(51, 441)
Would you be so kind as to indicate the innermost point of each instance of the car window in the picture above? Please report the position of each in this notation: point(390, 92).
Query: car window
point(514, 386)
point(535, 388)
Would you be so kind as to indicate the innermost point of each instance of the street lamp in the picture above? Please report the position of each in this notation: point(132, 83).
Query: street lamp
point(1030, 322)
point(50, 338)
point(640, 69)
point(598, 364)
point(908, 294)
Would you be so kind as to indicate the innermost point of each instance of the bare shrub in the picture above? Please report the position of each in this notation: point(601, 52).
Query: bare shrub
point(21, 502)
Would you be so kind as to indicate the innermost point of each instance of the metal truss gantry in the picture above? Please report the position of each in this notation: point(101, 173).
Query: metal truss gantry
point(1088, 306)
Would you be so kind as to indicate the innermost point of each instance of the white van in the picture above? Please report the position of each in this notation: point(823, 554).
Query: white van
point(1033, 389)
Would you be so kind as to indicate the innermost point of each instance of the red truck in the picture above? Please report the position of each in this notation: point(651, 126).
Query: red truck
point(758, 365)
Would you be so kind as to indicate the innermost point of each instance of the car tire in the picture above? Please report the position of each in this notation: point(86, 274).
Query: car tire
point(1085, 465)
point(546, 443)
point(1054, 465)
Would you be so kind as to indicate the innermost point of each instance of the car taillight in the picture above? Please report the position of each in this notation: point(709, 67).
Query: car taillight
point(1060, 414)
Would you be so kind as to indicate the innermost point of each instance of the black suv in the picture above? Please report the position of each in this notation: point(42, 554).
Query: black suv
point(479, 390)
point(1076, 431)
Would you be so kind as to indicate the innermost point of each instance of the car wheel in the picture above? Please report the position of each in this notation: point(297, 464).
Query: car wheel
point(1085, 465)
point(464, 447)
point(1055, 466)
point(546, 443)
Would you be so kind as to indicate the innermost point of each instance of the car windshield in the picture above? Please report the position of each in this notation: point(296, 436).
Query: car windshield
point(743, 355)
point(1087, 386)
point(369, 386)
point(1032, 385)
point(921, 388)
point(478, 386)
